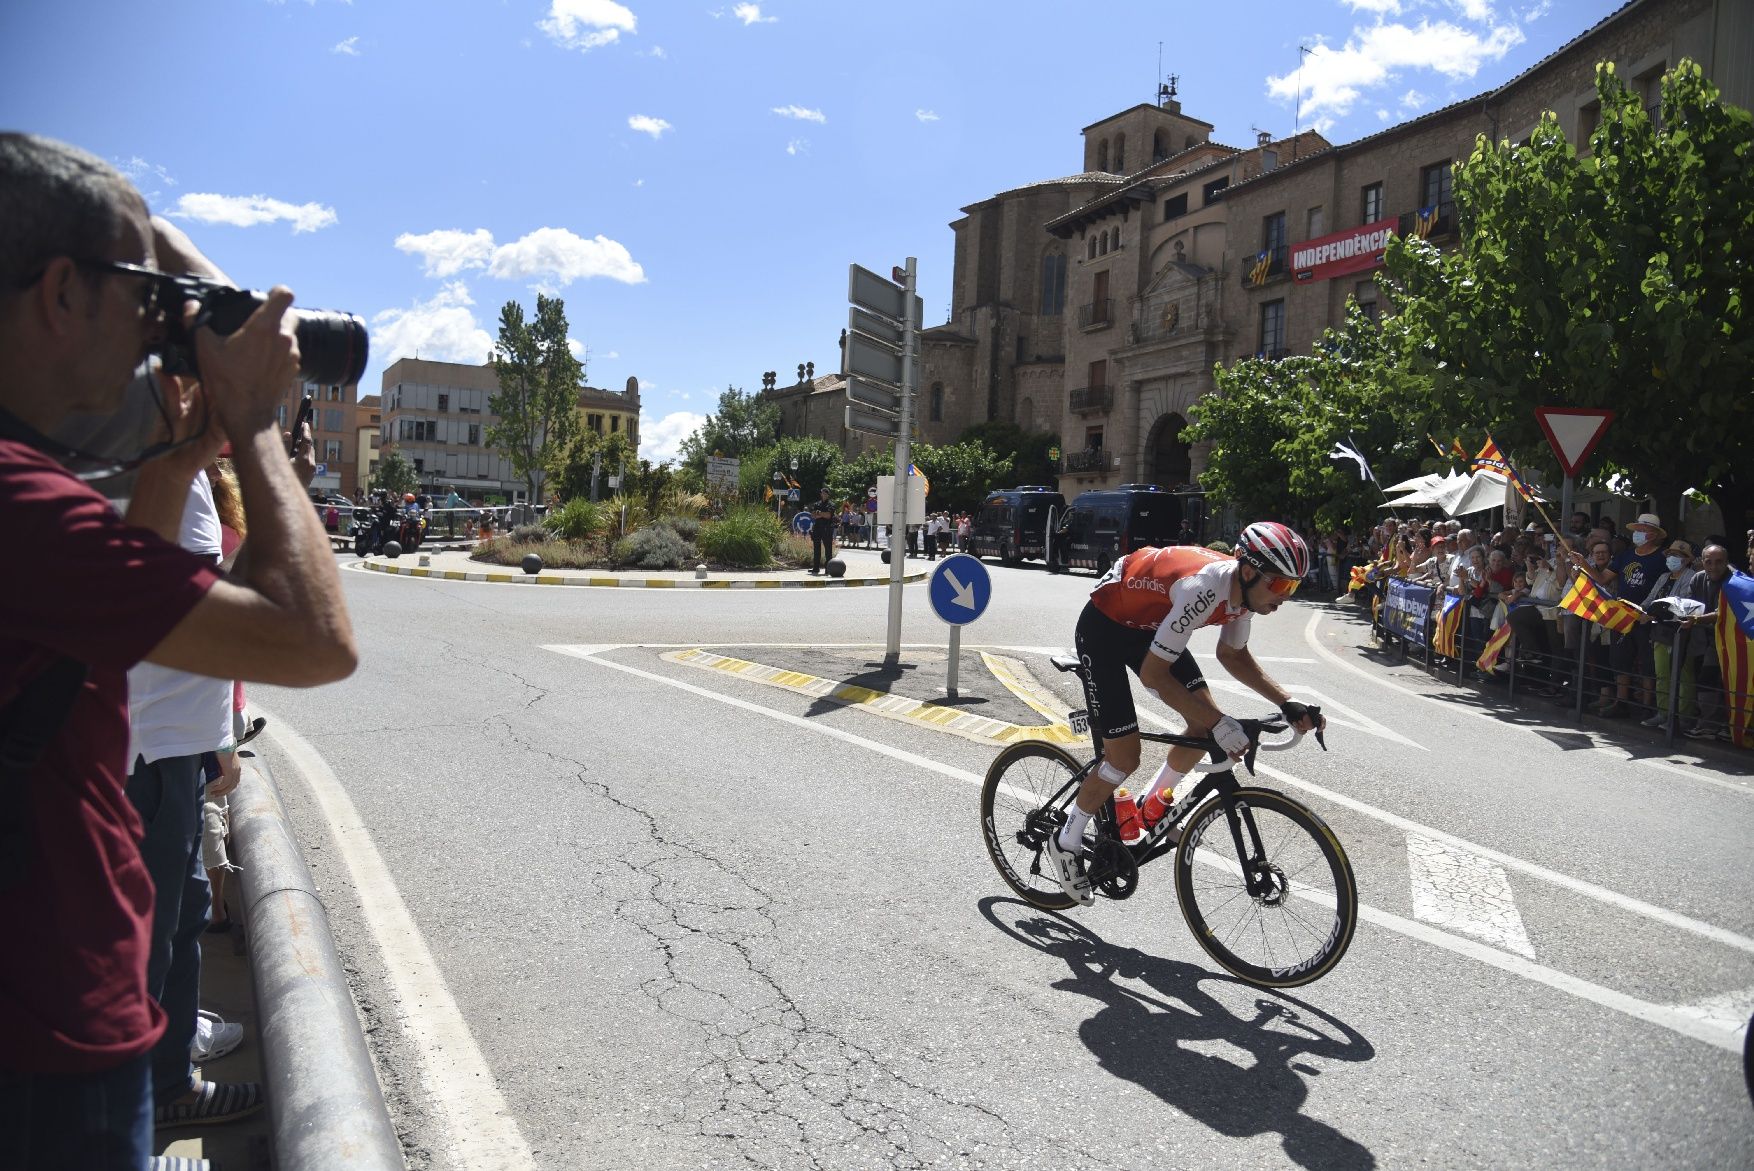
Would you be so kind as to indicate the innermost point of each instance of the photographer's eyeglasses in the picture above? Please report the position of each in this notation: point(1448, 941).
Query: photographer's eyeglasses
point(152, 281)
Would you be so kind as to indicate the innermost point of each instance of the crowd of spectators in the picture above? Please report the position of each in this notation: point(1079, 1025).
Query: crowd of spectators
point(121, 642)
point(1519, 576)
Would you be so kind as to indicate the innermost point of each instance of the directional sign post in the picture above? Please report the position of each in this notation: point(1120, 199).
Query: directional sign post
point(882, 351)
point(959, 590)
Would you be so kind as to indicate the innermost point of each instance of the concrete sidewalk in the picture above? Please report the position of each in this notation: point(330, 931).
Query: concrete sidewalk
point(865, 567)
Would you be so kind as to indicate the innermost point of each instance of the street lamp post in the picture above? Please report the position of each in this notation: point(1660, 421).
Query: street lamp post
point(779, 494)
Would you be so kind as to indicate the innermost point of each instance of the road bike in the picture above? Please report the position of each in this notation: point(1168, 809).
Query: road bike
point(1263, 883)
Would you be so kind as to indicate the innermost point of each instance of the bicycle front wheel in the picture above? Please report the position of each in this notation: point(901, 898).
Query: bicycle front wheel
point(1017, 814)
point(1266, 888)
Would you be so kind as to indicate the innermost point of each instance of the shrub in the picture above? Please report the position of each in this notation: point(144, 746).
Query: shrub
point(745, 538)
point(527, 534)
point(655, 547)
point(686, 527)
point(794, 550)
point(579, 519)
point(554, 554)
point(1220, 546)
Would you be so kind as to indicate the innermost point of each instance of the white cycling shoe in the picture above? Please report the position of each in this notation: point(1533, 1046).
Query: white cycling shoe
point(1069, 869)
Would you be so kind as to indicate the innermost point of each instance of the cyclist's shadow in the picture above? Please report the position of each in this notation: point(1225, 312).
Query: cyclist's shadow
point(1142, 1036)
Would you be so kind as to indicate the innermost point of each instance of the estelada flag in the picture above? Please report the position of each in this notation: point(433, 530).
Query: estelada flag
point(1360, 575)
point(1587, 601)
point(1449, 625)
point(1488, 661)
point(1735, 652)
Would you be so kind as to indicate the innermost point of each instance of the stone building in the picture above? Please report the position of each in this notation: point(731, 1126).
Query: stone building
point(1095, 306)
point(437, 414)
point(334, 431)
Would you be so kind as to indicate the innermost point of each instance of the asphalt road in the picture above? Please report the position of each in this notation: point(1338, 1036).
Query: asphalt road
point(608, 904)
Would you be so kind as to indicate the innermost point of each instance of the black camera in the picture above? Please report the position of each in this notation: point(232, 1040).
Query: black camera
point(332, 346)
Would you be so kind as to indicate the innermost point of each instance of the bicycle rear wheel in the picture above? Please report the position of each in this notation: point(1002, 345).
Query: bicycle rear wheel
point(1298, 920)
point(1016, 817)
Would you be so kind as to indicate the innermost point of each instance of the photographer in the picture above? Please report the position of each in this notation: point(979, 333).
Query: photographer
point(81, 306)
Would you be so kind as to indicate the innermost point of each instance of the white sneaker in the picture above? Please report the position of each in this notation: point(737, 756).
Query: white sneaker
point(1069, 869)
point(214, 1037)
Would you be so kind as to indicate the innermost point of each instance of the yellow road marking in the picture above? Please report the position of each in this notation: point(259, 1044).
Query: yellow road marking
point(975, 727)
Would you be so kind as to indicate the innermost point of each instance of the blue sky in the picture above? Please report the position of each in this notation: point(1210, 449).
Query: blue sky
point(692, 178)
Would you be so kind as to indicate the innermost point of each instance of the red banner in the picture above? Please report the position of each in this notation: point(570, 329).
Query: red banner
point(1354, 250)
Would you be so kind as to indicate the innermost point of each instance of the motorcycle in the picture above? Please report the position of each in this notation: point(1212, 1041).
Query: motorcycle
point(410, 532)
point(372, 529)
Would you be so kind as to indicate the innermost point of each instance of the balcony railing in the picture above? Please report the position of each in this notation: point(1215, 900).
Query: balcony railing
point(1258, 270)
point(1086, 399)
point(1094, 460)
point(1097, 314)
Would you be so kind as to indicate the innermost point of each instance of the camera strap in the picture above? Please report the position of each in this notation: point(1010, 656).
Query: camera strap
point(28, 725)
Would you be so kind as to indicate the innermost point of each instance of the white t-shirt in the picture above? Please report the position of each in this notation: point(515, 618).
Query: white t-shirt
point(174, 713)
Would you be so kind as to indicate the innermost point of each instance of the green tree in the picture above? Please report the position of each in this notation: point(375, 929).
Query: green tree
point(1027, 450)
point(608, 453)
point(1615, 280)
point(394, 474)
point(744, 423)
point(538, 398)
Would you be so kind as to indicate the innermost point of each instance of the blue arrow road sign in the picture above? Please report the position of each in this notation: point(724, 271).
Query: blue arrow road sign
point(960, 589)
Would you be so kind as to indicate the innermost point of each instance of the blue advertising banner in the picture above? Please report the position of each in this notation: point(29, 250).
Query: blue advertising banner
point(1406, 610)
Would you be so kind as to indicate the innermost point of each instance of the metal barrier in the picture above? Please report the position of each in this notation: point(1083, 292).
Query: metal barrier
point(1406, 617)
point(324, 1102)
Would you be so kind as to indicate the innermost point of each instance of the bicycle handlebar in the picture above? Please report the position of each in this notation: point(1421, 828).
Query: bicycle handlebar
point(1255, 728)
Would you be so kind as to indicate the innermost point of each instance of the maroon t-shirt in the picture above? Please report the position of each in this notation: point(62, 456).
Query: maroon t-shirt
point(84, 584)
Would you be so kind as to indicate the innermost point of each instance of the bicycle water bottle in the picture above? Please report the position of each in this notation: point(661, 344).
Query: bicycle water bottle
point(1127, 822)
point(1154, 806)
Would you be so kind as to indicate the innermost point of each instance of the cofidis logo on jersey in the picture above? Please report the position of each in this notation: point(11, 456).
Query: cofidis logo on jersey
point(1193, 612)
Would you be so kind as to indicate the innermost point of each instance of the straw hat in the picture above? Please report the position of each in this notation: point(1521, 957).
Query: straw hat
point(1648, 520)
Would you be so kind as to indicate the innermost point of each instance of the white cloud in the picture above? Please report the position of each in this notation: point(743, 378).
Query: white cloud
point(646, 124)
point(639, 182)
point(442, 328)
point(1335, 79)
point(1413, 100)
point(245, 211)
point(925, 115)
point(146, 177)
point(1380, 7)
point(1475, 10)
point(655, 51)
point(751, 14)
point(1382, 115)
point(1538, 11)
point(449, 251)
point(586, 24)
point(660, 440)
point(557, 258)
point(798, 146)
point(347, 48)
point(800, 113)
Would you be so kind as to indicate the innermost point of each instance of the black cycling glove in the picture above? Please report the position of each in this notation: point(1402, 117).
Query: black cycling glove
point(1293, 711)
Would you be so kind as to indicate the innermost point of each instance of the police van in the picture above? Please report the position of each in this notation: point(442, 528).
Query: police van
point(1012, 523)
point(1105, 525)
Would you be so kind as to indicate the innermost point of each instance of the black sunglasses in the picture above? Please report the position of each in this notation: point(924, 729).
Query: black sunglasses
point(154, 284)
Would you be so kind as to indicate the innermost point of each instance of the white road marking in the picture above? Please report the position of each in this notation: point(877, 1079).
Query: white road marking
point(467, 1103)
point(1668, 1017)
point(1612, 751)
point(1730, 1010)
point(1338, 714)
point(1589, 889)
point(1462, 891)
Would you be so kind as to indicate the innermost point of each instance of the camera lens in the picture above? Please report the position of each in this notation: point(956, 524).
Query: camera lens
point(332, 346)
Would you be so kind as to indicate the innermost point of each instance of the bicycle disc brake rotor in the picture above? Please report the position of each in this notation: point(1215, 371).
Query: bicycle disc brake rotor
point(1276, 887)
point(1112, 869)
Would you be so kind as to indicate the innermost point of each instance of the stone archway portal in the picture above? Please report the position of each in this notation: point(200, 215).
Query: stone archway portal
point(1171, 463)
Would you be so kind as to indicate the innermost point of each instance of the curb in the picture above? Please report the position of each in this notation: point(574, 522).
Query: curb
point(324, 1101)
point(635, 583)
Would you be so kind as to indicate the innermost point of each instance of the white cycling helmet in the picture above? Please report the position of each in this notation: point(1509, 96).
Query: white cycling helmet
point(1273, 548)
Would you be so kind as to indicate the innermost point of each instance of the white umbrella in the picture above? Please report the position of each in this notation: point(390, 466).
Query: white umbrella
point(1434, 493)
point(1416, 484)
point(1479, 493)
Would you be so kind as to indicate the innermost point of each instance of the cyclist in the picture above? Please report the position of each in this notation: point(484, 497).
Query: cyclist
point(1140, 616)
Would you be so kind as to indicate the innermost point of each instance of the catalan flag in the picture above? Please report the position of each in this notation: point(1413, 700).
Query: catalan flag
point(1586, 600)
point(1360, 576)
point(1263, 265)
point(913, 470)
point(1491, 459)
point(1438, 447)
point(1488, 661)
point(1735, 652)
point(1425, 219)
point(1456, 449)
point(1449, 626)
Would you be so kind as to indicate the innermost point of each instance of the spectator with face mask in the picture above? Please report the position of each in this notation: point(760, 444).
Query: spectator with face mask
point(1671, 583)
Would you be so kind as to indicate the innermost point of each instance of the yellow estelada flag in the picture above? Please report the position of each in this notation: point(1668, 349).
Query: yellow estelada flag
point(1488, 660)
point(1449, 625)
point(1587, 601)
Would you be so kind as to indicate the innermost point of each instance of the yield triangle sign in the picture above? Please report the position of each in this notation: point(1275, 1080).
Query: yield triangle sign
point(1573, 432)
